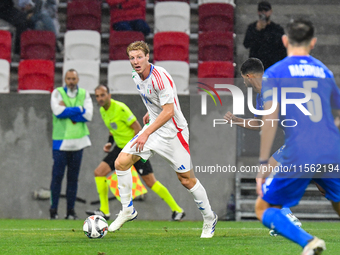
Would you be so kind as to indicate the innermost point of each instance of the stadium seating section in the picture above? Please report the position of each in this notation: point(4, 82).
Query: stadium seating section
point(216, 69)
point(36, 76)
point(84, 15)
point(171, 46)
point(216, 17)
point(125, 11)
point(4, 76)
point(119, 40)
point(82, 44)
point(180, 72)
point(83, 40)
point(38, 45)
point(120, 78)
point(215, 46)
point(5, 45)
point(172, 16)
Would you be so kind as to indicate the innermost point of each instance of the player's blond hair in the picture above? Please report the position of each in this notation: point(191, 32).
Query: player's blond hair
point(138, 45)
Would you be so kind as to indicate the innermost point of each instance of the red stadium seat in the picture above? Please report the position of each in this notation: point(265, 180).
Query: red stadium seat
point(84, 15)
point(211, 73)
point(5, 45)
point(36, 76)
point(126, 11)
point(37, 44)
point(216, 17)
point(187, 1)
point(171, 46)
point(216, 69)
point(215, 46)
point(119, 40)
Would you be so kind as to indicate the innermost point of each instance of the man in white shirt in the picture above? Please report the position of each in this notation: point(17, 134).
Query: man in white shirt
point(72, 108)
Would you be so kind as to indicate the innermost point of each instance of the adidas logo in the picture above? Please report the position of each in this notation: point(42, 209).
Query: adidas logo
point(181, 167)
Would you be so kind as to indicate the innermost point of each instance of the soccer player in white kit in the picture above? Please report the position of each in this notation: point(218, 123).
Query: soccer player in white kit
point(165, 133)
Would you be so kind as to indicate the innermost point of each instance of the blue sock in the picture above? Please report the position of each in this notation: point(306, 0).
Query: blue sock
point(274, 219)
point(286, 210)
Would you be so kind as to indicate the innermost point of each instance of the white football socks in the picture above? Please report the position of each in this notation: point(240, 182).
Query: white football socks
point(202, 201)
point(125, 189)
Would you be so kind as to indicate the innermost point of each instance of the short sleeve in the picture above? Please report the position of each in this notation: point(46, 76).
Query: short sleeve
point(164, 85)
point(127, 116)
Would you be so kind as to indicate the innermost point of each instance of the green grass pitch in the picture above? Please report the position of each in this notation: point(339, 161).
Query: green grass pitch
point(155, 237)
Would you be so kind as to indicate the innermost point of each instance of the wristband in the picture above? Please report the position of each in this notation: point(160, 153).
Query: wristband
point(263, 162)
point(110, 139)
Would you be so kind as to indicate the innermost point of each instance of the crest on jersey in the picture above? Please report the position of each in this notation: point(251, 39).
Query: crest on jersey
point(149, 90)
point(113, 125)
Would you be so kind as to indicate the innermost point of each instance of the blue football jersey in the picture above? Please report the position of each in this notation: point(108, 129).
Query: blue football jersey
point(315, 139)
point(259, 104)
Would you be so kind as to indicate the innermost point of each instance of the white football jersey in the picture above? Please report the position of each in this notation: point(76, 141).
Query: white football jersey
point(156, 90)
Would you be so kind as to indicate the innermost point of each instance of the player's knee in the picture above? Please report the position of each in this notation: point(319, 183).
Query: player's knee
point(98, 172)
point(149, 180)
point(121, 165)
point(102, 169)
point(118, 164)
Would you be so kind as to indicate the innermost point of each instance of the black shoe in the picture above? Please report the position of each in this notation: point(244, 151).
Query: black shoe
point(98, 212)
point(53, 214)
point(177, 216)
point(71, 215)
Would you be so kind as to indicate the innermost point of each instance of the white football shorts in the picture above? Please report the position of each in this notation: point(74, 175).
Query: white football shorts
point(174, 150)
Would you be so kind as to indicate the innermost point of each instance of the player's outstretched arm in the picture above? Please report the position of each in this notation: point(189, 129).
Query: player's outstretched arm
point(242, 122)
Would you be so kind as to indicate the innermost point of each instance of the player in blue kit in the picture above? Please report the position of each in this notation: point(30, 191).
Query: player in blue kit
point(252, 71)
point(312, 139)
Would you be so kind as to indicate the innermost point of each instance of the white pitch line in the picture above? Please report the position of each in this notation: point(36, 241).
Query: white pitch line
point(144, 229)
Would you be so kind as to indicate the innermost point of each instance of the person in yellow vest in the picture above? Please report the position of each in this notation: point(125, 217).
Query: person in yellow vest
point(123, 126)
point(72, 107)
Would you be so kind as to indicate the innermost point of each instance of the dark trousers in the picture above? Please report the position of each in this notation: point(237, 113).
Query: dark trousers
point(133, 25)
point(71, 159)
point(17, 19)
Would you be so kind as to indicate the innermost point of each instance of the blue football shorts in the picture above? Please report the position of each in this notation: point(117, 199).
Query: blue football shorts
point(287, 192)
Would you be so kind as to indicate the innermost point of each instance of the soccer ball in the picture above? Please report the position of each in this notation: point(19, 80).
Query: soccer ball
point(95, 226)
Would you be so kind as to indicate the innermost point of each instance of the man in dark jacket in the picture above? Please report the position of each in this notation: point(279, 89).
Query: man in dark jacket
point(15, 17)
point(263, 37)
